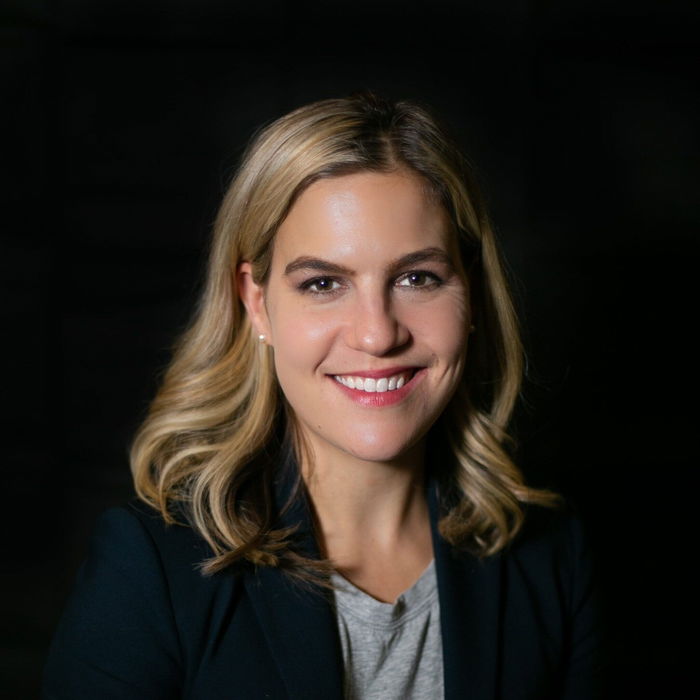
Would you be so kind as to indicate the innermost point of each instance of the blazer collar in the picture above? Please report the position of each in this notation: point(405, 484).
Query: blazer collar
point(301, 630)
point(469, 593)
point(298, 622)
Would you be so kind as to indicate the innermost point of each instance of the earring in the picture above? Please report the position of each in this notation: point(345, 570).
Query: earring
point(472, 328)
point(262, 337)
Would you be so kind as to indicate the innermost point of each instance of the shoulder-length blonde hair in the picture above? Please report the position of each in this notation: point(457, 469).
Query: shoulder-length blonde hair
point(211, 437)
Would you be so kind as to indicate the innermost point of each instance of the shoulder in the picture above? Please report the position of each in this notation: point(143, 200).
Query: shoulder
point(136, 518)
point(140, 545)
point(134, 540)
point(143, 531)
point(138, 609)
point(556, 530)
point(551, 565)
point(134, 554)
point(552, 553)
point(119, 628)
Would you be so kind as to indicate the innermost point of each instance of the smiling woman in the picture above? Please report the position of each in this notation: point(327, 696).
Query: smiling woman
point(326, 504)
point(390, 306)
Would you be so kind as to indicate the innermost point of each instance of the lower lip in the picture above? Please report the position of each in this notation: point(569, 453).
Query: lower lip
point(380, 398)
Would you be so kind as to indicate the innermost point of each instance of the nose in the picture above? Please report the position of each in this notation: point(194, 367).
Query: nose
point(376, 328)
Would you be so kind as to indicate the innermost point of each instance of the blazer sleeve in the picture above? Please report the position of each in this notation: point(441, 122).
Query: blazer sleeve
point(117, 639)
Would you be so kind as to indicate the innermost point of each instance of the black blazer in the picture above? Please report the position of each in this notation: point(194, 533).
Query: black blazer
point(143, 623)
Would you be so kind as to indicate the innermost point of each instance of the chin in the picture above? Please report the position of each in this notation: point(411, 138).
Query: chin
point(378, 448)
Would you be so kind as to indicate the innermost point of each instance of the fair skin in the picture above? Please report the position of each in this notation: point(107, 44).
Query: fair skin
point(366, 307)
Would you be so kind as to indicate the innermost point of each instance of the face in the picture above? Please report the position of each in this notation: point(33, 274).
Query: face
point(366, 307)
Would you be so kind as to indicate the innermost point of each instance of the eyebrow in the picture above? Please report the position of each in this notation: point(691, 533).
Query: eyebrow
point(431, 254)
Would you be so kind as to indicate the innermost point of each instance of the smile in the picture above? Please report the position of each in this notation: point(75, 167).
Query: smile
point(379, 388)
point(371, 385)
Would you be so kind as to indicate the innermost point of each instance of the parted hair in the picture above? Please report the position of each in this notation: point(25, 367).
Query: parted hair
point(216, 426)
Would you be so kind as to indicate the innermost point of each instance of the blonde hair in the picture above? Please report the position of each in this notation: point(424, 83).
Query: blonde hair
point(212, 436)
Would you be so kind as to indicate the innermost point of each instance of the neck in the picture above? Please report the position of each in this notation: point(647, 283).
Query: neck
point(353, 493)
point(372, 514)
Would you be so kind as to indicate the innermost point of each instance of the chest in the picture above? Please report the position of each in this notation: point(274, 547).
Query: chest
point(501, 637)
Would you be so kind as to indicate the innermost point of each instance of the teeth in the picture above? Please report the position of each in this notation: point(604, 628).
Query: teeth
point(373, 385)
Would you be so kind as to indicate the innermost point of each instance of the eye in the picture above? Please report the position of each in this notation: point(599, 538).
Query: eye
point(320, 285)
point(420, 279)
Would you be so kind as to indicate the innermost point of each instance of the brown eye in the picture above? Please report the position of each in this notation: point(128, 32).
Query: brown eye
point(320, 285)
point(419, 278)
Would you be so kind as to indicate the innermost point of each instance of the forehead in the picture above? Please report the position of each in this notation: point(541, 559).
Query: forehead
point(364, 213)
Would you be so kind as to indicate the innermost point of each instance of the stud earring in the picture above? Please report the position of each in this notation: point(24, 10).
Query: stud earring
point(262, 337)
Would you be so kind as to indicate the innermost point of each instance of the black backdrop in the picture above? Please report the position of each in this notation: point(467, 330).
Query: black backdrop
point(123, 120)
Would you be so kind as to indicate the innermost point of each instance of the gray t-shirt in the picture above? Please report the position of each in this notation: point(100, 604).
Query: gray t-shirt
point(391, 651)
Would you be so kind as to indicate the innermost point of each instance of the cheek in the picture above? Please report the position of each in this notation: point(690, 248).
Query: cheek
point(455, 322)
point(301, 340)
point(444, 328)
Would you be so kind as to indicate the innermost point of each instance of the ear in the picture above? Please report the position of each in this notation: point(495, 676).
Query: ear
point(253, 297)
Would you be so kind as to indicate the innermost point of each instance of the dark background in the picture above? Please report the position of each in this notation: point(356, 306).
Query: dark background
point(121, 124)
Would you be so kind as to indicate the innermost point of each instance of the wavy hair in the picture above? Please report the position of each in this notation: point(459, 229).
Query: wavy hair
point(213, 432)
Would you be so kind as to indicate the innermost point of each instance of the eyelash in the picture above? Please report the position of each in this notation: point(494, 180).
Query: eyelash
point(432, 281)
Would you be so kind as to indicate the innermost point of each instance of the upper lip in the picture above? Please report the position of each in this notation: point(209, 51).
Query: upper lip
point(377, 373)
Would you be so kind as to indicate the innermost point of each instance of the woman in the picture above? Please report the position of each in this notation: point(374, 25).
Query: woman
point(326, 505)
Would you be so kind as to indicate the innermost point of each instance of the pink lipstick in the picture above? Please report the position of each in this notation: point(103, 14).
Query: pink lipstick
point(383, 387)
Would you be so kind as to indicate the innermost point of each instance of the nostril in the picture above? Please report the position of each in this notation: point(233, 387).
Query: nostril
point(376, 330)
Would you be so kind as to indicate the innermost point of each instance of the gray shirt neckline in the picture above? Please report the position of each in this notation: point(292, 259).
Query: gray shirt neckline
point(353, 601)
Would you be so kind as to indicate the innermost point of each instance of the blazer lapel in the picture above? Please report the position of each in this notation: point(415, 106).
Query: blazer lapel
point(469, 592)
point(298, 622)
point(301, 631)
